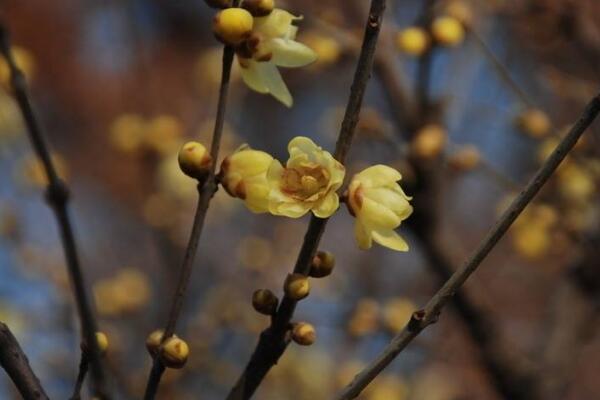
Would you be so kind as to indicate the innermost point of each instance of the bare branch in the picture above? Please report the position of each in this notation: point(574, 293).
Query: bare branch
point(57, 196)
point(15, 362)
point(427, 316)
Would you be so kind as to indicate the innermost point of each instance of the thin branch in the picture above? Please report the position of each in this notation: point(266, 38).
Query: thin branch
point(14, 361)
point(427, 316)
point(274, 340)
point(57, 196)
point(206, 190)
point(84, 364)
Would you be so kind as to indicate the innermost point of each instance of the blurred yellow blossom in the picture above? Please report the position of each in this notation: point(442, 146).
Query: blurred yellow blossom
point(575, 183)
point(127, 131)
point(397, 312)
point(460, 10)
point(380, 205)
point(447, 31)
point(163, 134)
point(128, 291)
point(429, 141)
point(328, 49)
point(365, 318)
point(465, 159)
point(387, 387)
point(534, 122)
point(532, 232)
point(24, 60)
point(32, 170)
point(309, 181)
point(413, 41)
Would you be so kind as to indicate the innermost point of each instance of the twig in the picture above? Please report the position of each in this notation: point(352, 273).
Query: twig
point(84, 364)
point(274, 340)
point(425, 317)
point(206, 190)
point(57, 196)
point(15, 363)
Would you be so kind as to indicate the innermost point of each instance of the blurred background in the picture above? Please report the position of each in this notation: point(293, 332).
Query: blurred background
point(119, 85)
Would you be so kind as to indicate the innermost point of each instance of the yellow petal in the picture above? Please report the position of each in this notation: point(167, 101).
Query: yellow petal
point(363, 237)
point(291, 209)
point(301, 145)
point(274, 174)
point(276, 24)
point(250, 162)
point(253, 76)
point(390, 199)
point(390, 239)
point(327, 206)
point(377, 215)
point(291, 54)
point(275, 83)
point(257, 197)
point(378, 175)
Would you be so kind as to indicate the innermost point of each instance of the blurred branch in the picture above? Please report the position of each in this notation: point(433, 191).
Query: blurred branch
point(57, 196)
point(83, 368)
point(14, 361)
point(429, 315)
point(274, 340)
point(206, 190)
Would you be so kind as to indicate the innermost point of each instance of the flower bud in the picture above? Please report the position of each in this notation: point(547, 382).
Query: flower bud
point(153, 341)
point(465, 159)
point(233, 25)
point(174, 353)
point(259, 8)
point(194, 160)
point(429, 142)
point(102, 341)
point(447, 31)
point(296, 286)
point(413, 41)
point(304, 334)
point(218, 3)
point(322, 264)
point(265, 302)
point(534, 123)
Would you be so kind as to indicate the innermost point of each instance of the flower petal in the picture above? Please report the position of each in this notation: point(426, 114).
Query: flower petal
point(275, 84)
point(363, 237)
point(390, 199)
point(291, 54)
point(378, 175)
point(377, 215)
point(276, 24)
point(291, 209)
point(253, 76)
point(390, 239)
point(327, 206)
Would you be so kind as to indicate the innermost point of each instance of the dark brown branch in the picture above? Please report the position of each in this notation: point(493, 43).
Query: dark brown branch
point(57, 196)
point(15, 363)
point(427, 316)
point(84, 365)
point(206, 190)
point(274, 340)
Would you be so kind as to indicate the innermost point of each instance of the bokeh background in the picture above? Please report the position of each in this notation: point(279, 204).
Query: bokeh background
point(119, 85)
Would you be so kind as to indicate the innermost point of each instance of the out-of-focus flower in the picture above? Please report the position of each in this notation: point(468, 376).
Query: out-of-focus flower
point(126, 132)
point(365, 318)
point(24, 60)
point(33, 173)
point(271, 45)
point(387, 387)
point(244, 175)
point(380, 205)
point(309, 181)
point(127, 292)
point(328, 49)
point(575, 183)
point(429, 142)
point(397, 313)
point(207, 70)
point(460, 10)
point(412, 41)
point(465, 159)
point(163, 134)
point(532, 232)
point(534, 123)
point(447, 31)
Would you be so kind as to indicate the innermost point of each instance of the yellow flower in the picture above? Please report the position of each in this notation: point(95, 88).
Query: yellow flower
point(273, 45)
point(412, 41)
point(377, 201)
point(244, 175)
point(309, 181)
point(447, 31)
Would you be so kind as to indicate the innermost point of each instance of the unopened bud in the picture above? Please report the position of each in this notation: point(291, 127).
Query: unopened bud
point(102, 341)
point(322, 264)
point(259, 8)
point(233, 25)
point(153, 341)
point(296, 286)
point(304, 334)
point(218, 3)
point(194, 160)
point(413, 41)
point(264, 301)
point(174, 353)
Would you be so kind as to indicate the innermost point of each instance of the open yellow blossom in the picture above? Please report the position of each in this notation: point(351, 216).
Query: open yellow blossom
point(244, 175)
point(271, 45)
point(309, 181)
point(380, 205)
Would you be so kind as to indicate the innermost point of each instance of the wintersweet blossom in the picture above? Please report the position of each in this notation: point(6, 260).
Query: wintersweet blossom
point(309, 181)
point(380, 205)
point(271, 45)
point(244, 175)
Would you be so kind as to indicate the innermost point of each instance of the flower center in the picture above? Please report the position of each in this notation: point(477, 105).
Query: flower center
point(304, 182)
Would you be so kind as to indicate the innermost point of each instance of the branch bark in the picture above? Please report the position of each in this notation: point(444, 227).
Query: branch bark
point(57, 196)
point(429, 315)
point(274, 340)
point(16, 365)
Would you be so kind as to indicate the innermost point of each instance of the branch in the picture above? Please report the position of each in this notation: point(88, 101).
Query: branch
point(57, 196)
point(274, 340)
point(206, 190)
point(14, 361)
point(427, 316)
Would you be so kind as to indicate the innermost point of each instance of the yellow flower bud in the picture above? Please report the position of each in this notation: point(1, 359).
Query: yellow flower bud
point(194, 160)
point(447, 31)
point(296, 286)
point(413, 41)
point(233, 25)
point(218, 3)
point(174, 353)
point(465, 159)
point(304, 334)
point(265, 302)
point(153, 341)
point(322, 264)
point(259, 8)
point(102, 341)
point(534, 123)
point(429, 142)
point(244, 175)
